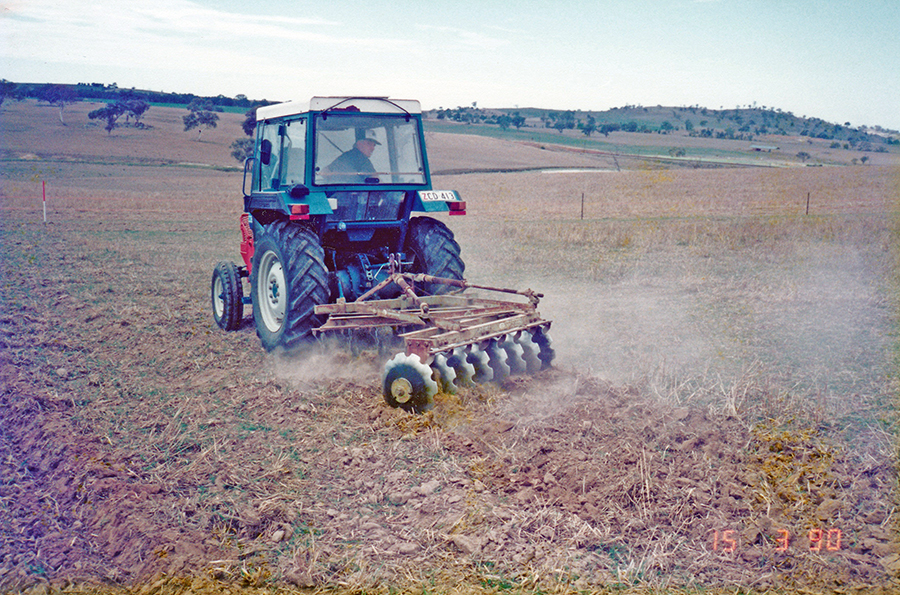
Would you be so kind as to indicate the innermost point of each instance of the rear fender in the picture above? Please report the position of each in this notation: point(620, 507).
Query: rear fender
point(246, 242)
point(318, 204)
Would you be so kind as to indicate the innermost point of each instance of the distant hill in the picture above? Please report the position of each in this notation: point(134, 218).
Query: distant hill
point(741, 123)
point(748, 123)
point(693, 134)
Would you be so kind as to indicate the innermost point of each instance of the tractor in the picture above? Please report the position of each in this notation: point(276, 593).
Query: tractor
point(330, 245)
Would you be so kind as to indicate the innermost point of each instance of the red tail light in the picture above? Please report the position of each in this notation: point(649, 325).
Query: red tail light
point(457, 207)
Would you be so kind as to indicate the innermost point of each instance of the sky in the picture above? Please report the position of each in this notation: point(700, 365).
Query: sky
point(835, 60)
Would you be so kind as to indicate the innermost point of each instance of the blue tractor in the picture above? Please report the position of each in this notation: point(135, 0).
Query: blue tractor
point(329, 238)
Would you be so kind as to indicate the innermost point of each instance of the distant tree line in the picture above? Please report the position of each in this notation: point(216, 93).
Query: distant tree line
point(741, 123)
point(473, 115)
point(111, 93)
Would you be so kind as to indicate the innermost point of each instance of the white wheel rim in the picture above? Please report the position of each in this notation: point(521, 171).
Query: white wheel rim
point(272, 292)
point(219, 297)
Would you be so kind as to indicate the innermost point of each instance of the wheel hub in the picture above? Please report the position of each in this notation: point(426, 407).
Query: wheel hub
point(401, 390)
point(274, 290)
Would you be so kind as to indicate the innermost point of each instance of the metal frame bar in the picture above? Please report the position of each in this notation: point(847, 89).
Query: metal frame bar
point(439, 322)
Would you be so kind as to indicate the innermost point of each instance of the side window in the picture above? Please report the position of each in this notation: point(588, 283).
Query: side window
point(269, 172)
point(294, 153)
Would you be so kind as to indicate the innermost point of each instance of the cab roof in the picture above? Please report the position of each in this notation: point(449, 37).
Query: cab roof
point(371, 105)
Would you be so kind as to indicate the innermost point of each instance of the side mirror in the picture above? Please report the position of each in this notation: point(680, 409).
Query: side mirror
point(265, 151)
point(299, 191)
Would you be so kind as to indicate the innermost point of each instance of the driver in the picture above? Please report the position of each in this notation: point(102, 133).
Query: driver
point(355, 161)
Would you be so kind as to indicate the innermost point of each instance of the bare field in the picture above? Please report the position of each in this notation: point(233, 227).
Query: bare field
point(32, 131)
point(721, 415)
point(640, 150)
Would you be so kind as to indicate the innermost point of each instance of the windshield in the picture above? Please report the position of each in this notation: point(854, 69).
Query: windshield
point(356, 149)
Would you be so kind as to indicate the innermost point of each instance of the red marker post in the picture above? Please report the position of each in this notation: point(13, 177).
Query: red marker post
point(44, 195)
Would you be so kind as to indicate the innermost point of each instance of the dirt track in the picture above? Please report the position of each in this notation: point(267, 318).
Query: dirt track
point(139, 440)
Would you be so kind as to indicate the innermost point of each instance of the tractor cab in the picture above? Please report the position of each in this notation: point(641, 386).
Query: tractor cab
point(367, 150)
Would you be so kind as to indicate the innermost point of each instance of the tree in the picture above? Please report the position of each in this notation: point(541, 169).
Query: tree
point(7, 89)
point(199, 120)
point(242, 149)
point(517, 120)
point(591, 126)
point(249, 123)
point(135, 108)
point(202, 114)
point(200, 105)
point(59, 95)
point(605, 129)
point(110, 113)
point(504, 121)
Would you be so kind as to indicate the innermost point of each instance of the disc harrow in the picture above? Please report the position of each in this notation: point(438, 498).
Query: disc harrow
point(451, 340)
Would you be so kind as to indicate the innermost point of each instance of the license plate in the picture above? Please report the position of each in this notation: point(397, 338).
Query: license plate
point(441, 195)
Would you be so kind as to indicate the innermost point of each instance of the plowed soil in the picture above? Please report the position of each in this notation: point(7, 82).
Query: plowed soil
point(707, 445)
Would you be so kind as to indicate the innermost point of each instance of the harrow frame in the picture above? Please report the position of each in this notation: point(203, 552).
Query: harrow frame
point(436, 323)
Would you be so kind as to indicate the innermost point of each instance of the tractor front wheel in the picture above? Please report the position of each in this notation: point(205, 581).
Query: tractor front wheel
point(227, 296)
point(289, 280)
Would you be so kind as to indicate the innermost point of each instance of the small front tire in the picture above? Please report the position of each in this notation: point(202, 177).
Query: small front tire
point(227, 296)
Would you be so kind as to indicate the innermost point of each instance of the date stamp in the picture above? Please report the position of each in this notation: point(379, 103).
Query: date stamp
point(817, 540)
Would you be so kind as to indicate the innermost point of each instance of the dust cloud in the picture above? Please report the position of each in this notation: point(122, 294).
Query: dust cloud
point(326, 360)
point(810, 323)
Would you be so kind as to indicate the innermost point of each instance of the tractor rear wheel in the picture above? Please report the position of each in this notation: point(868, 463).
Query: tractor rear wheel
point(288, 281)
point(227, 296)
point(435, 252)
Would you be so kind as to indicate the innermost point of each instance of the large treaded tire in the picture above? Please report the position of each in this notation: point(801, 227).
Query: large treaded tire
point(288, 281)
point(435, 252)
point(227, 296)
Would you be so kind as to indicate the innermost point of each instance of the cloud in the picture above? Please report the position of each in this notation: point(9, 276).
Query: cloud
point(147, 35)
point(453, 36)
